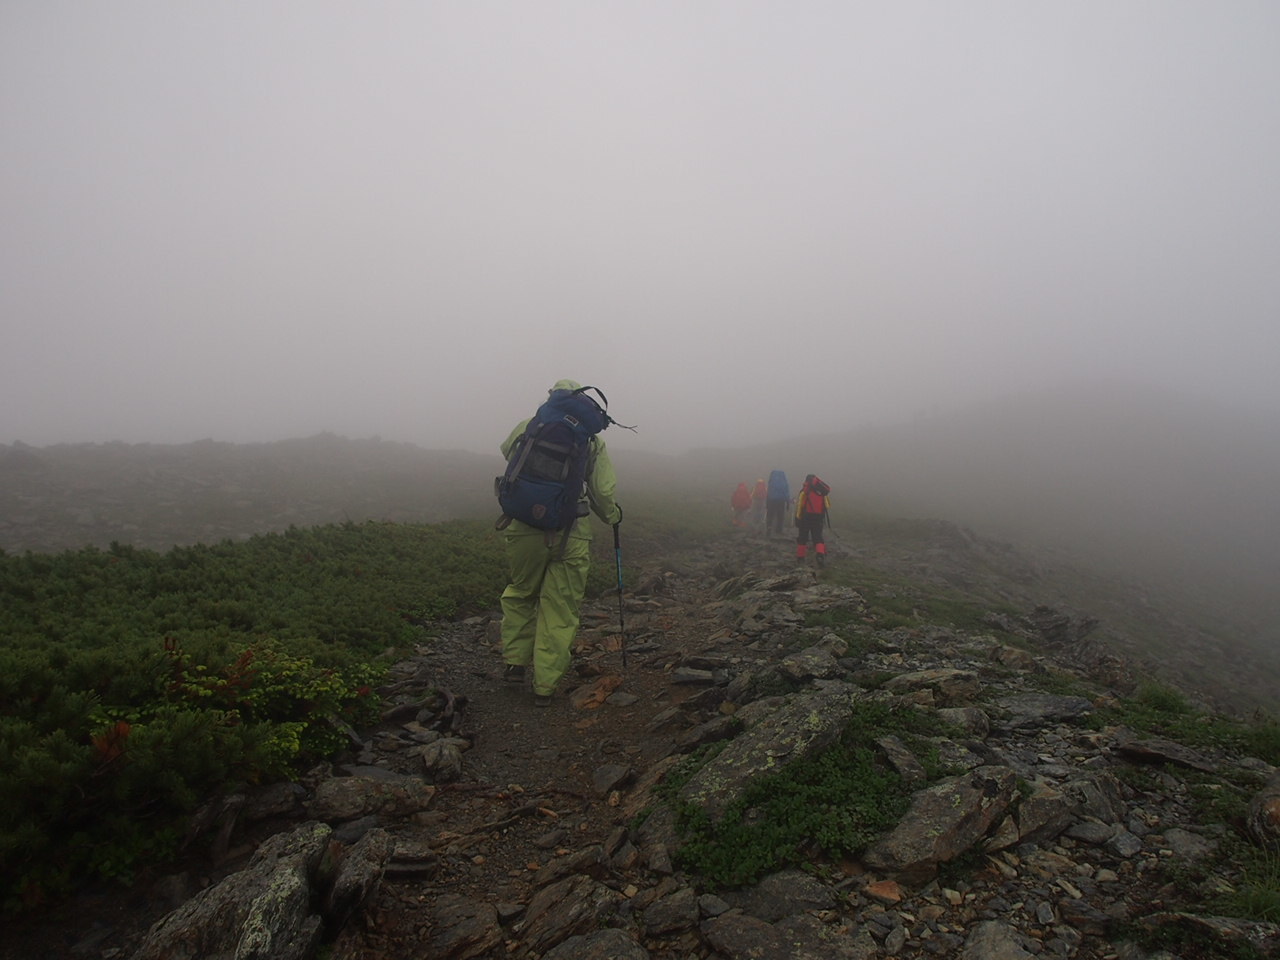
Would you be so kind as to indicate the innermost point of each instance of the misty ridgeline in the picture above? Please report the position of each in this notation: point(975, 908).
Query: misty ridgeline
point(1171, 500)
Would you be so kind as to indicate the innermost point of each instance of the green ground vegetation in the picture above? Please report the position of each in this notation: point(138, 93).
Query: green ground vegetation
point(1156, 709)
point(135, 684)
point(1240, 879)
point(894, 601)
point(829, 805)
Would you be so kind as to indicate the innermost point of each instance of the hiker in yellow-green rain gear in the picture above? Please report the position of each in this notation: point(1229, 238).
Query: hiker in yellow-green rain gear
point(548, 575)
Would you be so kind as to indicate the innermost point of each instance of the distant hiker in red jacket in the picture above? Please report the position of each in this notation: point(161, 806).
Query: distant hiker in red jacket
point(741, 503)
point(812, 504)
point(758, 494)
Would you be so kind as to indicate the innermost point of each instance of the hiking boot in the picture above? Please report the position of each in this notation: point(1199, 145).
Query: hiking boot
point(514, 673)
point(542, 699)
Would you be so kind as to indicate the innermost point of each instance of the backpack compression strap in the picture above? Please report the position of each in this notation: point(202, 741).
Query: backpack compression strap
point(604, 408)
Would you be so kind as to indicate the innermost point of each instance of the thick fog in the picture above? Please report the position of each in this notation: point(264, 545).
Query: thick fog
point(742, 220)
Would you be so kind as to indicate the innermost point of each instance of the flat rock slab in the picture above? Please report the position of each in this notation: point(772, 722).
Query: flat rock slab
point(1042, 709)
point(1162, 751)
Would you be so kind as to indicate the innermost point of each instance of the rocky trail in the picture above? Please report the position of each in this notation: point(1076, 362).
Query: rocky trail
point(472, 824)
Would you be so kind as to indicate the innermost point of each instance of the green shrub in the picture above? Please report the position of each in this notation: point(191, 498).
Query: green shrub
point(1162, 700)
point(134, 684)
point(1260, 737)
point(265, 684)
point(1159, 710)
point(837, 802)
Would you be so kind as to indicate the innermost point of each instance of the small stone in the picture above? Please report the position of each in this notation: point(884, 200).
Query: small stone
point(895, 941)
point(1124, 844)
point(1071, 891)
point(712, 906)
point(887, 892)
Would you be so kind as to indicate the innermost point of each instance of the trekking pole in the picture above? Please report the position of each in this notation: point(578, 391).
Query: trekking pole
point(827, 513)
point(622, 630)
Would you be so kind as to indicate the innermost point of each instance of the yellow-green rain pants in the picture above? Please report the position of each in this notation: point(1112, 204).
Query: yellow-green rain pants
point(540, 605)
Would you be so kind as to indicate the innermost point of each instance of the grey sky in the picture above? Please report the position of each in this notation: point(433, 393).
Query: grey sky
point(251, 221)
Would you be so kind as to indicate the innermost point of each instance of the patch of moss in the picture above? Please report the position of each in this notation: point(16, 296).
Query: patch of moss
point(1061, 684)
point(834, 803)
point(1158, 710)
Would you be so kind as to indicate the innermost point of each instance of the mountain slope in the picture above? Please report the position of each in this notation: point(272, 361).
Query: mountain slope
point(1158, 490)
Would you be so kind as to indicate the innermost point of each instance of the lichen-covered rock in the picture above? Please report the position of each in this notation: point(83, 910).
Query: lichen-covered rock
point(346, 798)
point(992, 940)
point(263, 911)
point(943, 822)
point(740, 935)
point(944, 687)
point(1042, 709)
point(800, 725)
point(782, 894)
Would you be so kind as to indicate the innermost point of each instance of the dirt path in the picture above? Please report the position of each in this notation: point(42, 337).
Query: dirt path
point(535, 783)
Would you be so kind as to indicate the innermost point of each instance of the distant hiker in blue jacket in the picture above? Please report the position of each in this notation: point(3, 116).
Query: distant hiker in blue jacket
point(777, 496)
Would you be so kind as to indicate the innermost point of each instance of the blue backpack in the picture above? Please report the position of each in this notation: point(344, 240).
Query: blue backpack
point(547, 466)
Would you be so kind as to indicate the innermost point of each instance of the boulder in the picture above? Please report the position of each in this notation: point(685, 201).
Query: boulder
point(670, 914)
point(265, 912)
point(574, 906)
point(346, 798)
point(945, 687)
point(993, 940)
point(1042, 709)
point(800, 725)
point(740, 936)
point(782, 894)
point(944, 821)
point(461, 928)
point(1165, 751)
